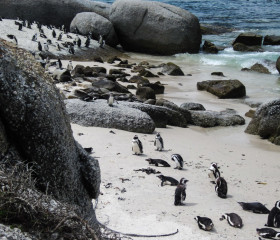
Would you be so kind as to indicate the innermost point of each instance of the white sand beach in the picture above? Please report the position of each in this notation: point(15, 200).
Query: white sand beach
point(140, 205)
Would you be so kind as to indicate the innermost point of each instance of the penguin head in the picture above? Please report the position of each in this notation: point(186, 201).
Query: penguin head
point(183, 181)
point(148, 159)
point(224, 216)
point(277, 235)
point(135, 137)
point(159, 176)
point(277, 204)
point(197, 218)
point(213, 166)
point(158, 135)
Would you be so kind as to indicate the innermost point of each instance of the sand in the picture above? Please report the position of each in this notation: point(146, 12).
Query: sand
point(140, 205)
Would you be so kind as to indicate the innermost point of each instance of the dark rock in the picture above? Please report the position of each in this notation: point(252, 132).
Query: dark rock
point(38, 129)
point(257, 67)
point(217, 74)
point(209, 47)
point(98, 59)
point(250, 113)
point(278, 64)
point(150, 101)
point(223, 88)
point(138, 68)
point(78, 70)
point(96, 69)
point(51, 12)
point(146, 73)
point(99, 114)
point(192, 106)
point(110, 86)
point(211, 118)
point(154, 27)
point(172, 69)
point(118, 72)
point(130, 86)
point(145, 93)
point(207, 29)
point(138, 80)
point(157, 87)
point(245, 48)
point(123, 79)
point(111, 60)
point(249, 39)
point(266, 122)
point(90, 22)
point(65, 77)
point(271, 40)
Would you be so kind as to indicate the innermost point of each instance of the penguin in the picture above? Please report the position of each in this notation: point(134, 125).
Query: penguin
point(53, 33)
point(214, 172)
point(100, 41)
point(58, 48)
point(79, 42)
point(49, 41)
point(180, 192)
point(59, 63)
point(137, 146)
point(233, 219)
point(273, 219)
point(43, 35)
point(68, 36)
point(268, 233)
point(178, 160)
point(59, 38)
point(87, 42)
point(28, 24)
point(20, 27)
point(255, 207)
point(39, 47)
point(34, 37)
point(171, 180)
point(10, 36)
point(111, 100)
point(158, 142)
point(204, 223)
point(158, 162)
point(221, 187)
point(69, 66)
point(71, 49)
point(15, 40)
point(1, 18)
point(46, 47)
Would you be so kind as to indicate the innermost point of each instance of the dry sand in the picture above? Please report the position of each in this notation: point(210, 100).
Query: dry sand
point(140, 205)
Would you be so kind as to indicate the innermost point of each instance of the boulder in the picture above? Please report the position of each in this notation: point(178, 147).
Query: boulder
point(90, 22)
point(65, 76)
point(271, 40)
point(266, 122)
point(155, 27)
point(157, 87)
point(110, 86)
point(278, 64)
point(257, 67)
point(38, 132)
point(193, 106)
point(145, 93)
point(99, 114)
point(146, 73)
point(172, 69)
point(241, 47)
point(223, 88)
point(138, 80)
point(220, 74)
point(212, 119)
point(249, 39)
point(162, 116)
point(209, 47)
point(51, 12)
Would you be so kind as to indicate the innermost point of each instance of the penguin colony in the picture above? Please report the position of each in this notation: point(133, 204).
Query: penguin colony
point(205, 223)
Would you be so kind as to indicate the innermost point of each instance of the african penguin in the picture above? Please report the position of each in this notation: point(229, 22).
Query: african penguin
point(87, 42)
point(58, 48)
point(158, 142)
point(255, 207)
point(46, 47)
point(15, 40)
point(214, 172)
point(20, 27)
point(180, 192)
point(53, 33)
point(273, 219)
point(71, 49)
point(69, 66)
point(221, 187)
point(178, 160)
point(233, 219)
point(137, 147)
point(268, 233)
point(59, 63)
point(59, 37)
point(39, 46)
point(157, 162)
point(34, 37)
point(204, 223)
point(79, 42)
point(171, 180)
point(110, 100)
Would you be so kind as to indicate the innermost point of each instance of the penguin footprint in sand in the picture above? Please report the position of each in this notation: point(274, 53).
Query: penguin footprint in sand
point(204, 223)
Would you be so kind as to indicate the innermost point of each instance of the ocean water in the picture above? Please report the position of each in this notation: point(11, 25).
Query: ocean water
point(257, 16)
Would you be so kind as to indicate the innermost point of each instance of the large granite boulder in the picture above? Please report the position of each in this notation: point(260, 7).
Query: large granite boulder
point(145, 93)
point(155, 27)
point(271, 40)
point(223, 88)
point(90, 22)
point(249, 39)
point(211, 118)
point(36, 130)
point(99, 114)
point(266, 122)
point(51, 12)
point(278, 64)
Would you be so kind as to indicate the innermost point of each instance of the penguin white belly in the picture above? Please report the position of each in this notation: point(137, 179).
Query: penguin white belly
point(178, 164)
point(110, 102)
point(158, 145)
point(135, 148)
point(211, 175)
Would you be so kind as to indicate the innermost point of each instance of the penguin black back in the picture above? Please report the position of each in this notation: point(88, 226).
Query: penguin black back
point(233, 219)
point(204, 223)
point(221, 187)
point(255, 207)
point(273, 219)
point(164, 179)
point(268, 233)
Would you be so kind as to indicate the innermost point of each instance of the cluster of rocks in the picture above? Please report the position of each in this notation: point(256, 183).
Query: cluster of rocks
point(140, 26)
